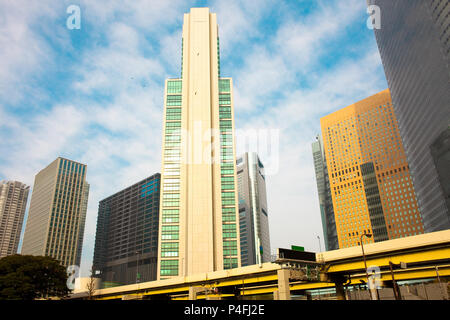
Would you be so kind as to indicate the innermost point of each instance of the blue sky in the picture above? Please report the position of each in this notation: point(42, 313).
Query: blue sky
point(95, 95)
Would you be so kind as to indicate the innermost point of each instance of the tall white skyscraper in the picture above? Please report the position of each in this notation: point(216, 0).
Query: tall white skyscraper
point(198, 221)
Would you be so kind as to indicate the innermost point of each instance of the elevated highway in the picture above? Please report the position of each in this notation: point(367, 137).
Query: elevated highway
point(426, 257)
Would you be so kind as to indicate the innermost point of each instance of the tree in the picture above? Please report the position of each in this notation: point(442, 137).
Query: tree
point(24, 277)
point(90, 286)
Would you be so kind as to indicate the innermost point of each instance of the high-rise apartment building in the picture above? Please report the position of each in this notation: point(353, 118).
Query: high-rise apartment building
point(414, 44)
point(324, 192)
point(126, 241)
point(55, 223)
point(13, 202)
point(370, 183)
point(199, 217)
point(253, 213)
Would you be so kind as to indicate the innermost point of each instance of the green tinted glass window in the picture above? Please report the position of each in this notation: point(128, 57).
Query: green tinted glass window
point(229, 248)
point(169, 232)
point(174, 100)
point(228, 202)
point(224, 85)
point(169, 249)
point(225, 124)
point(229, 195)
point(169, 267)
point(229, 227)
point(224, 99)
point(174, 86)
point(228, 166)
point(229, 263)
point(229, 211)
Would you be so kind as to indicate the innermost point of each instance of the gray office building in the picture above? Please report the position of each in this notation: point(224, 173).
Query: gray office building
point(126, 242)
point(13, 202)
point(253, 213)
point(414, 43)
point(57, 215)
point(324, 192)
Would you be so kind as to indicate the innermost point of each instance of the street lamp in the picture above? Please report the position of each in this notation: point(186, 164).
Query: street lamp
point(392, 265)
point(368, 235)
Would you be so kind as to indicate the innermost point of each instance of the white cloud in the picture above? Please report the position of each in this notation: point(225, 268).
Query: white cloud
point(23, 51)
point(170, 52)
point(147, 15)
point(265, 72)
point(292, 53)
point(235, 23)
point(304, 41)
point(120, 66)
point(32, 145)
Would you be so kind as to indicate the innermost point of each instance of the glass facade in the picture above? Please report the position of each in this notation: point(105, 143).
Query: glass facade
point(414, 43)
point(253, 216)
point(126, 241)
point(369, 178)
point(440, 151)
point(373, 200)
point(325, 200)
point(171, 187)
point(170, 219)
point(227, 166)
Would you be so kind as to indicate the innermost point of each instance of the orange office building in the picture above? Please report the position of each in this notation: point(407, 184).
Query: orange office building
point(370, 182)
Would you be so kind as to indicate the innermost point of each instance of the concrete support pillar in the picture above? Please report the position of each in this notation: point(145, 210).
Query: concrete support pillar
point(340, 291)
point(276, 296)
point(193, 292)
point(284, 292)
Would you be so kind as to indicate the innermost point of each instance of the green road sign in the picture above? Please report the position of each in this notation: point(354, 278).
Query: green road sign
point(297, 248)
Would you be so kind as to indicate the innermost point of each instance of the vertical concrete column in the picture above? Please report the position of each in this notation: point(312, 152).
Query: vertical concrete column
point(284, 293)
point(276, 296)
point(193, 292)
point(340, 292)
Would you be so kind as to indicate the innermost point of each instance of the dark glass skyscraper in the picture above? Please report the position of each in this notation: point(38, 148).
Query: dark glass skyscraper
point(253, 216)
point(414, 43)
point(126, 242)
point(325, 199)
